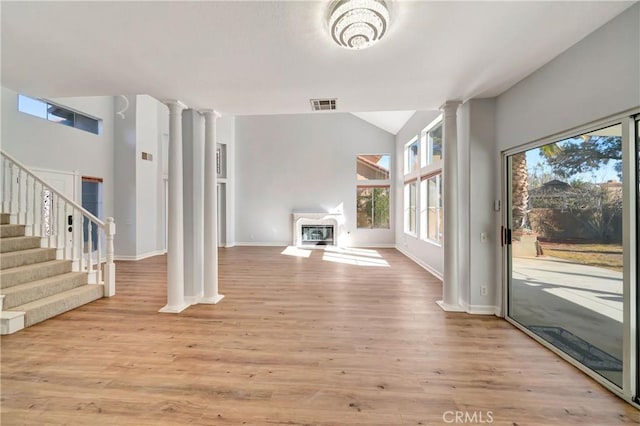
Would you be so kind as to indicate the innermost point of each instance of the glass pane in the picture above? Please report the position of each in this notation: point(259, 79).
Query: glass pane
point(373, 207)
point(410, 207)
point(432, 233)
point(412, 160)
point(373, 167)
point(637, 254)
point(32, 106)
point(566, 251)
point(60, 115)
point(440, 210)
point(423, 209)
point(435, 142)
point(381, 207)
point(424, 149)
point(87, 123)
point(363, 204)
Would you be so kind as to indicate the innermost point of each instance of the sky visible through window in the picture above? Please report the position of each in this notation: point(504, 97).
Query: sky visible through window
point(32, 106)
point(537, 165)
point(384, 161)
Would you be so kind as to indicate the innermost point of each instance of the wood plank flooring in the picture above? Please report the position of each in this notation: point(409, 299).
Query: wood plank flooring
point(296, 341)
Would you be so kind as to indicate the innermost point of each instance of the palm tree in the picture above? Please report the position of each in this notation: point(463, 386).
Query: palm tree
point(519, 191)
point(520, 186)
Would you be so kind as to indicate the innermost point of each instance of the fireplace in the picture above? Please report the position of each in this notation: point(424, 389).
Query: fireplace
point(317, 228)
point(317, 235)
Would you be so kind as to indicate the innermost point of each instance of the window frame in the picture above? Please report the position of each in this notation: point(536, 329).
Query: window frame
point(408, 169)
point(425, 208)
point(374, 183)
point(426, 145)
point(373, 219)
point(408, 208)
point(79, 119)
point(427, 168)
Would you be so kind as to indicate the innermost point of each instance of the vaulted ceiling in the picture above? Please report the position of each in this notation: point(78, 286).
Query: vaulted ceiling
point(269, 57)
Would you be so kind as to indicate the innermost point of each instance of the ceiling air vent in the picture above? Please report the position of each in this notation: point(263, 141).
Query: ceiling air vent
point(323, 104)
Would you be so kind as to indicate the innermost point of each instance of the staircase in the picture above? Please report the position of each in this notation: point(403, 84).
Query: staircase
point(34, 285)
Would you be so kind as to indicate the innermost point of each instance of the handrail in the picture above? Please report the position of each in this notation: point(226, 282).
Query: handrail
point(61, 223)
point(58, 194)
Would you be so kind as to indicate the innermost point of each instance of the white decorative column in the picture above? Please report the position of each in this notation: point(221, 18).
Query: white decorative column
point(193, 204)
point(450, 294)
point(211, 295)
point(175, 243)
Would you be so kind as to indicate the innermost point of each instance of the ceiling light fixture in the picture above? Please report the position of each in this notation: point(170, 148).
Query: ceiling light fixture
point(358, 24)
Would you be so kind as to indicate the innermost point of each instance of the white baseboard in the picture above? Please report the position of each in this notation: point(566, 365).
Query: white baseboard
point(287, 244)
point(481, 309)
point(140, 256)
point(261, 244)
point(230, 245)
point(428, 268)
point(371, 245)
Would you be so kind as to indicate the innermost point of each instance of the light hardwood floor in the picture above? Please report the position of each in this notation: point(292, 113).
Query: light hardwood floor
point(296, 341)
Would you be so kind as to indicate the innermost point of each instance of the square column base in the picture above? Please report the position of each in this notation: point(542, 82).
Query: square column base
point(211, 300)
point(174, 309)
point(450, 308)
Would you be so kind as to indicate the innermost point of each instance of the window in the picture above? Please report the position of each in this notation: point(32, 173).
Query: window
point(373, 207)
point(373, 167)
point(410, 208)
point(411, 156)
point(431, 141)
point(372, 193)
point(423, 184)
point(58, 114)
point(431, 209)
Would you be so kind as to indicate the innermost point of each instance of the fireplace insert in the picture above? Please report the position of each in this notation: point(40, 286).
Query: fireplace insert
point(319, 235)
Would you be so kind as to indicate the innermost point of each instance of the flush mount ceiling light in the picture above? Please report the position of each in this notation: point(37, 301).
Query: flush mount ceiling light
point(358, 24)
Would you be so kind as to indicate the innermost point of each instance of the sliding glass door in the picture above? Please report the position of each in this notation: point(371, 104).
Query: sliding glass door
point(564, 230)
point(637, 281)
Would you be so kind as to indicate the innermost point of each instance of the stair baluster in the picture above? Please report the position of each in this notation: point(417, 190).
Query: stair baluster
point(45, 212)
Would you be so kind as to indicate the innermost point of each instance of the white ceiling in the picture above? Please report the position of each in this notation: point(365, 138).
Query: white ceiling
point(391, 121)
point(271, 57)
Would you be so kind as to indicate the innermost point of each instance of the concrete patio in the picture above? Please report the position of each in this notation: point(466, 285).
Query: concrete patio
point(584, 300)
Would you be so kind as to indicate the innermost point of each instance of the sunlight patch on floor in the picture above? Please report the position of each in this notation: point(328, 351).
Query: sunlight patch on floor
point(353, 251)
point(353, 259)
point(590, 300)
point(296, 251)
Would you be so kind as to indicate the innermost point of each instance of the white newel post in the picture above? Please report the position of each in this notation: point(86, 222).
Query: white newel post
point(110, 267)
point(450, 290)
point(211, 295)
point(175, 242)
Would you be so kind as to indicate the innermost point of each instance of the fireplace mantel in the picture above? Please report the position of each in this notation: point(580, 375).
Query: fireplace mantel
point(301, 218)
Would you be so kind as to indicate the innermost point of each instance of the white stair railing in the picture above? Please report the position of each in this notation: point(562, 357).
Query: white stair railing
point(60, 222)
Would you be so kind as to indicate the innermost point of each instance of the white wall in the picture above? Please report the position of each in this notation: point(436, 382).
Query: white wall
point(125, 179)
point(429, 255)
point(148, 199)
point(43, 144)
point(597, 77)
point(302, 162)
point(226, 134)
point(139, 199)
point(163, 173)
point(478, 259)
